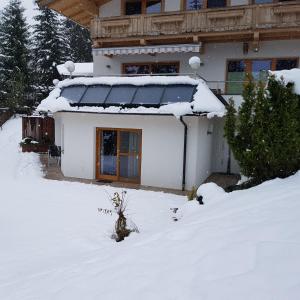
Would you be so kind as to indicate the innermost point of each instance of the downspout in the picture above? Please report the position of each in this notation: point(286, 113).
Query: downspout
point(184, 153)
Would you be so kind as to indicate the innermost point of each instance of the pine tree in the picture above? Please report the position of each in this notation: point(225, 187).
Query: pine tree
point(78, 44)
point(264, 135)
point(14, 55)
point(48, 50)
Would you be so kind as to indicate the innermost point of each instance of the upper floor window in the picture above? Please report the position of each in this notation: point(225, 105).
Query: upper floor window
point(237, 70)
point(263, 1)
point(198, 4)
point(133, 7)
point(216, 3)
point(194, 4)
point(153, 6)
point(137, 7)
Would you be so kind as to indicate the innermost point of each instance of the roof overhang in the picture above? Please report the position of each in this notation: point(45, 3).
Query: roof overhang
point(80, 11)
point(180, 48)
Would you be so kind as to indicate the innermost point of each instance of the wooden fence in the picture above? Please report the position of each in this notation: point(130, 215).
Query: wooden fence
point(41, 130)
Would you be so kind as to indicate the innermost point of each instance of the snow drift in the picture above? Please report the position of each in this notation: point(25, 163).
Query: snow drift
point(55, 244)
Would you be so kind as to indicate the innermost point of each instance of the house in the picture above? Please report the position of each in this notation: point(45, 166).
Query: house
point(151, 130)
point(138, 38)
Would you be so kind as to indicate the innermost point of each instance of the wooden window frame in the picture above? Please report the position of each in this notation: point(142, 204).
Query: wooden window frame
point(248, 65)
point(144, 7)
point(117, 178)
point(150, 64)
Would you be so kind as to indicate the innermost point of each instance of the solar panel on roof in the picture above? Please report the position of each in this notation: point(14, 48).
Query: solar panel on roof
point(178, 93)
point(95, 94)
point(121, 94)
point(73, 93)
point(148, 95)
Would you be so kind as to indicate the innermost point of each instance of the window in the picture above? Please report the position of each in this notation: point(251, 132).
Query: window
point(151, 68)
point(262, 1)
point(216, 3)
point(137, 7)
point(286, 64)
point(260, 68)
point(130, 69)
point(193, 4)
point(153, 7)
point(133, 7)
point(198, 4)
point(237, 69)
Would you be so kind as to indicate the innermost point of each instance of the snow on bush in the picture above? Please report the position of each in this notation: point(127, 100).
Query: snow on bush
point(289, 76)
point(210, 192)
point(122, 228)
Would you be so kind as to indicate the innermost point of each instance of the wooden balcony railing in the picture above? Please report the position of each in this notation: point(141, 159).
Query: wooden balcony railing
point(277, 20)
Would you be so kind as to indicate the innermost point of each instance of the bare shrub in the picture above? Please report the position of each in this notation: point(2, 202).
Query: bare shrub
point(122, 229)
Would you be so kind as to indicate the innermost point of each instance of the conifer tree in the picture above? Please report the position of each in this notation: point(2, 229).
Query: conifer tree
point(78, 44)
point(264, 135)
point(14, 55)
point(47, 51)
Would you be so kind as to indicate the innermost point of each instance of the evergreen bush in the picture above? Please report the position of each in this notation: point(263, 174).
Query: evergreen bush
point(264, 134)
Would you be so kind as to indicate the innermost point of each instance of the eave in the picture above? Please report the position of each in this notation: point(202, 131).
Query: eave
point(80, 11)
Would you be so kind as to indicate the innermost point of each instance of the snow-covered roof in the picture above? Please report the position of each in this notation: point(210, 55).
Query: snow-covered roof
point(81, 69)
point(292, 76)
point(203, 99)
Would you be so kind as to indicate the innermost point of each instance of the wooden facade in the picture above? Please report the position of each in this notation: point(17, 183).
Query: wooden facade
point(239, 23)
point(253, 22)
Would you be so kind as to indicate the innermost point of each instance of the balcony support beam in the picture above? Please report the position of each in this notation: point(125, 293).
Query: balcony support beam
point(256, 39)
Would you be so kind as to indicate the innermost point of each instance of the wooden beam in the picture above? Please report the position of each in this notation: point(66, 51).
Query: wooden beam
point(87, 6)
point(255, 44)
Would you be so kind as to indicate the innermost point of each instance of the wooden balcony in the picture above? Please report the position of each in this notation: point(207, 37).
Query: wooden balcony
point(240, 23)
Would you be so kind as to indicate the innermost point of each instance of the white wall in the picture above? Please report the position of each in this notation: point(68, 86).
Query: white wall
point(220, 150)
point(214, 58)
point(162, 147)
point(110, 9)
point(172, 5)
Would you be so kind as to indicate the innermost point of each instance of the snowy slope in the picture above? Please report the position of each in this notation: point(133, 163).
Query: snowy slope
point(55, 244)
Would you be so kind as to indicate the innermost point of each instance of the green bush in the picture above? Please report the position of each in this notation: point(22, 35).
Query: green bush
point(264, 134)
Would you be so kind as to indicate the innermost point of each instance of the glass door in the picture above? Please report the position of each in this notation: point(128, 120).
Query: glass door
point(107, 153)
point(129, 159)
point(118, 155)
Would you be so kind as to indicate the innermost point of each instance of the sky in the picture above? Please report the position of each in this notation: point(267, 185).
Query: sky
point(28, 4)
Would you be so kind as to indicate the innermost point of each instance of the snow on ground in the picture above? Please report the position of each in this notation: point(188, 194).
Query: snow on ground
point(55, 244)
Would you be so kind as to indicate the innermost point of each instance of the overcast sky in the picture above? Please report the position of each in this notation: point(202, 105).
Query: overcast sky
point(28, 4)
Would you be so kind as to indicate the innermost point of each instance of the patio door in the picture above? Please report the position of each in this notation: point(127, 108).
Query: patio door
point(118, 155)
